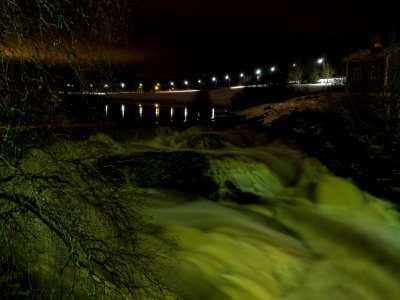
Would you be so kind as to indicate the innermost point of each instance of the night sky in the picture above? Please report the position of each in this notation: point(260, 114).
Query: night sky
point(181, 39)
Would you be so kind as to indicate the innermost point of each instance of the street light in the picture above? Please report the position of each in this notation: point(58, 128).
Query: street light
point(258, 74)
point(187, 84)
point(172, 85)
point(295, 73)
point(273, 69)
point(325, 72)
point(214, 79)
point(229, 80)
point(241, 75)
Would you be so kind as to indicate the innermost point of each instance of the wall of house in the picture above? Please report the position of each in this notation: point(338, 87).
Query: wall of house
point(366, 75)
point(393, 73)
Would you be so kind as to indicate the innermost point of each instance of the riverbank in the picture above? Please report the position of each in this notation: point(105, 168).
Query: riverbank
point(344, 131)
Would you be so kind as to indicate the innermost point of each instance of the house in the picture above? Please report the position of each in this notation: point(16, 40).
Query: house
point(373, 68)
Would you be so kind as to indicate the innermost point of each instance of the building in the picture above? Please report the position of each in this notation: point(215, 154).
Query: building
point(373, 68)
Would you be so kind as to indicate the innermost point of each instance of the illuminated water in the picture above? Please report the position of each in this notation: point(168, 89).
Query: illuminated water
point(306, 235)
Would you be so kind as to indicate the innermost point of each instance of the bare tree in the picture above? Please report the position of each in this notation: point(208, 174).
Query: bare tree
point(390, 95)
point(65, 230)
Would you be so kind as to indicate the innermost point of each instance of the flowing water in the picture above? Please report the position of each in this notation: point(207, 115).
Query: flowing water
point(274, 225)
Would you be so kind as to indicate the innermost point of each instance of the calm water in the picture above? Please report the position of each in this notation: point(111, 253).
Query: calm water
point(92, 109)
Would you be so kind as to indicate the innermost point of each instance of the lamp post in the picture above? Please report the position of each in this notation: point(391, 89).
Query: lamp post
point(229, 80)
point(241, 75)
point(258, 74)
point(325, 71)
point(295, 73)
point(214, 79)
point(187, 84)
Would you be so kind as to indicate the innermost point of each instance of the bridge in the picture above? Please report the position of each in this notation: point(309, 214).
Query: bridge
point(152, 107)
point(220, 97)
point(217, 97)
point(162, 106)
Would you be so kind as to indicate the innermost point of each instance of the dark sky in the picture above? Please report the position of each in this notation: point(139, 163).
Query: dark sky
point(178, 38)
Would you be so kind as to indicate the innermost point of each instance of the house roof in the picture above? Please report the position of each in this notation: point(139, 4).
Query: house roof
point(368, 54)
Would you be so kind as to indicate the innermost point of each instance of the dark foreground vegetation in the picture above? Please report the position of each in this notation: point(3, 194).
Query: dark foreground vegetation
point(65, 232)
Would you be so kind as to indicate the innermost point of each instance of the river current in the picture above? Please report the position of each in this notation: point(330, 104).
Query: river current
point(276, 225)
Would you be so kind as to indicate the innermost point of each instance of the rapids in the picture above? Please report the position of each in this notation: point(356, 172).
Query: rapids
point(279, 226)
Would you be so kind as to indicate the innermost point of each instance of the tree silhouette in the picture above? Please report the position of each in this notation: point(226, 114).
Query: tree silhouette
point(65, 231)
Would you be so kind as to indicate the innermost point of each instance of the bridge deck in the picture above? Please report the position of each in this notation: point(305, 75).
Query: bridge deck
point(218, 97)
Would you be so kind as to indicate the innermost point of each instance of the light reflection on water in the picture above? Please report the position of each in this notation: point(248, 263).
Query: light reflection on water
point(156, 113)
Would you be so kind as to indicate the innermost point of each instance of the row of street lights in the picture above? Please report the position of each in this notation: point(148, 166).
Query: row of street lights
point(214, 79)
point(157, 86)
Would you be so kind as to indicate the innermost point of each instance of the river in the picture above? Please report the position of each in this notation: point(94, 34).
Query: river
point(244, 218)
